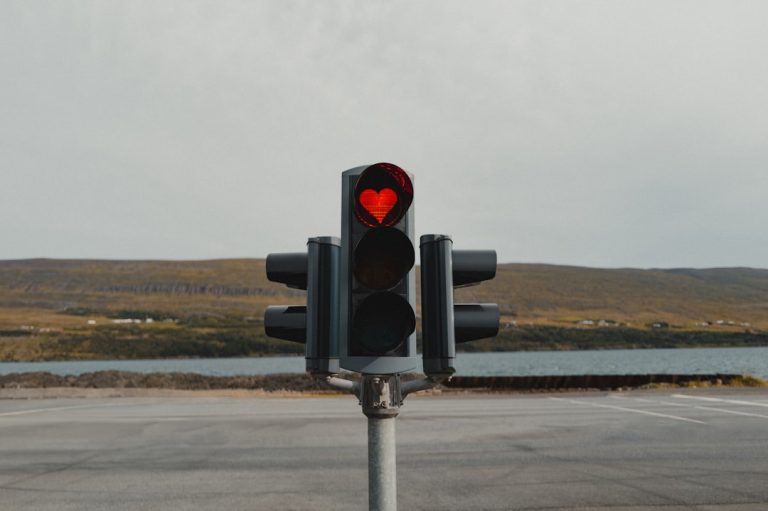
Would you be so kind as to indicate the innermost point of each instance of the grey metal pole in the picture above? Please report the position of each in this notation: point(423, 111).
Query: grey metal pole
point(381, 398)
point(382, 466)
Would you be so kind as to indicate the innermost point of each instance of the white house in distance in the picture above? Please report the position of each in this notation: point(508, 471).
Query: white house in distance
point(131, 321)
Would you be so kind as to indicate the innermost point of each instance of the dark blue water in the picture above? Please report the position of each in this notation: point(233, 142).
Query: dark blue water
point(752, 361)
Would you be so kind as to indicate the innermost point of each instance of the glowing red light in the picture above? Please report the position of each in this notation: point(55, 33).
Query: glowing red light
point(380, 203)
point(383, 194)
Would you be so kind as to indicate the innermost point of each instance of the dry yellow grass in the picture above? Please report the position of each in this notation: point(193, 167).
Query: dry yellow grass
point(37, 291)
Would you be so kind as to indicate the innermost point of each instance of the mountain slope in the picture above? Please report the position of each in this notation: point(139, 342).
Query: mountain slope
point(525, 292)
point(80, 309)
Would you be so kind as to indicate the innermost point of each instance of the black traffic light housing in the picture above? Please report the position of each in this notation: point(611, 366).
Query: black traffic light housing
point(360, 310)
point(444, 323)
point(377, 317)
point(316, 323)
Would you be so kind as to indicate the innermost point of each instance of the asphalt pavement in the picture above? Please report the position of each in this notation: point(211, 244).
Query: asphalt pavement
point(699, 450)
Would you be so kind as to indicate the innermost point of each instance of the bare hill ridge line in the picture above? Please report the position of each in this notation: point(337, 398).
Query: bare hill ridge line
point(539, 293)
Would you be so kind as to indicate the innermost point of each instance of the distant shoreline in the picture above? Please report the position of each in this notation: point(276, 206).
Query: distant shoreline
point(113, 379)
point(226, 340)
point(123, 382)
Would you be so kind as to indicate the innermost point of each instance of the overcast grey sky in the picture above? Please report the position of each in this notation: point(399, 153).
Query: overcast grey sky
point(589, 133)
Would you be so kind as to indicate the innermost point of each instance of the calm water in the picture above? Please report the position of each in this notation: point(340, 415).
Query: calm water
point(547, 363)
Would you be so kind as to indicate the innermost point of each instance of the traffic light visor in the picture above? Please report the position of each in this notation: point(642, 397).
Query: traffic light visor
point(383, 194)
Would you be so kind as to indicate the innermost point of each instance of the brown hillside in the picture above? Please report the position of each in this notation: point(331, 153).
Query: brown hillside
point(525, 292)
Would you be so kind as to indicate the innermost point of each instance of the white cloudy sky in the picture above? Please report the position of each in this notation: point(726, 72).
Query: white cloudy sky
point(605, 133)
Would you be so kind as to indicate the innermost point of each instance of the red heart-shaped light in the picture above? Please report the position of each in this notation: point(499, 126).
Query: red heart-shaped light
point(378, 204)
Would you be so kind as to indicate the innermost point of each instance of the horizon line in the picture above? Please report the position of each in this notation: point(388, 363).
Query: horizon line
point(251, 258)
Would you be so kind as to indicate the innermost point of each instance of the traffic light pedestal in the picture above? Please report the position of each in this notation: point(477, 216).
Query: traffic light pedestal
point(381, 397)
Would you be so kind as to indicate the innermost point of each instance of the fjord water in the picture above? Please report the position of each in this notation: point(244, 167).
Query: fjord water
point(752, 361)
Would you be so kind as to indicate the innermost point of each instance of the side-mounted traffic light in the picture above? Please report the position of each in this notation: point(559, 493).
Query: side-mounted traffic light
point(377, 289)
point(316, 323)
point(444, 323)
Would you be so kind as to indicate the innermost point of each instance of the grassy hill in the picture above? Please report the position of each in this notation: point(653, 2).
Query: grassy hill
point(684, 297)
point(53, 309)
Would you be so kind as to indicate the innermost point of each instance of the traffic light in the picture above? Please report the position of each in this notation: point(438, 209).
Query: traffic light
point(316, 324)
point(443, 323)
point(377, 289)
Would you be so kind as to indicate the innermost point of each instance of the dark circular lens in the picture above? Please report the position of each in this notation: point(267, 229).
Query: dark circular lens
point(382, 258)
point(382, 323)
